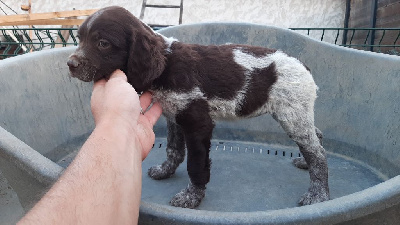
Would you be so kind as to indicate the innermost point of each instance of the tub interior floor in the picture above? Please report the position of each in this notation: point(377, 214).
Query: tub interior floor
point(247, 176)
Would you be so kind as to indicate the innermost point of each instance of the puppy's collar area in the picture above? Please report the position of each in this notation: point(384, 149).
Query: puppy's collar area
point(168, 42)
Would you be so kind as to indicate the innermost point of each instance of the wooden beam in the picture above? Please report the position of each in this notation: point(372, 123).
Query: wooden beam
point(44, 16)
point(45, 22)
point(64, 33)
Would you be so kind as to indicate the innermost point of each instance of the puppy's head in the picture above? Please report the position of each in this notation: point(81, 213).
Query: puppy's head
point(112, 38)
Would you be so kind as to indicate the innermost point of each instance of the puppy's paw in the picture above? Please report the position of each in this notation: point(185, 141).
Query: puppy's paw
point(312, 197)
point(300, 163)
point(189, 197)
point(160, 172)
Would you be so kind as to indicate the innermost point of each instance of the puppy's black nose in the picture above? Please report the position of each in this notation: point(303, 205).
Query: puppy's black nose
point(73, 63)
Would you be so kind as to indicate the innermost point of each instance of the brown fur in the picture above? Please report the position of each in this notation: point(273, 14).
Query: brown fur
point(196, 85)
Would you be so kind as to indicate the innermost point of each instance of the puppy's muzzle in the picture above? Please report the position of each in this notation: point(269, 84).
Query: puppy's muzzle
point(73, 63)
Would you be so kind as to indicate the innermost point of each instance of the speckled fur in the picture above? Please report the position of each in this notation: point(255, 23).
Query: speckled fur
point(291, 102)
point(175, 154)
point(189, 197)
point(300, 162)
point(199, 84)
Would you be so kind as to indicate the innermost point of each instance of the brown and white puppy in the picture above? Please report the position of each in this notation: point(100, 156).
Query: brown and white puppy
point(197, 85)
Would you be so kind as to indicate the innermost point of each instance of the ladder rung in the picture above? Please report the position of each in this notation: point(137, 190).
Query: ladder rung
point(160, 25)
point(163, 6)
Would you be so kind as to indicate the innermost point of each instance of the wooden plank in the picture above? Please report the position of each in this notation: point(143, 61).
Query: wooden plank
point(359, 22)
point(360, 13)
point(385, 3)
point(45, 22)
point(390, 24)
point(44, 16)
point(389, 14)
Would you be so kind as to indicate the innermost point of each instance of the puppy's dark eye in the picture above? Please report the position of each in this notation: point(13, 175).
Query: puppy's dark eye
point(103, 44)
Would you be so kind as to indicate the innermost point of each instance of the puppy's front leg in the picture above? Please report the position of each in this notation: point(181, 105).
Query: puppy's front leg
point(197, 127)
point(175, 153)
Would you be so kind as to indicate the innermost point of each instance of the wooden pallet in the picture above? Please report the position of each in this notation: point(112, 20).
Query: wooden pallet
point(50, 18)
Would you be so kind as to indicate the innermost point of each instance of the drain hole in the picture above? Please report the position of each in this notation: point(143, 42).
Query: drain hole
point(291, 154)
point(268, 152)
point(160, 146)
point(276, 152)
point(221, 142)
point(283, 153)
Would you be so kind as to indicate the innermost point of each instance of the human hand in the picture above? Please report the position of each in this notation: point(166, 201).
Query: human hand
point(116, 103)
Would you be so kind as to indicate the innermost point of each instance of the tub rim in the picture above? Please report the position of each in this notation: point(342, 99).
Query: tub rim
point(349, 207)
point(353, 206)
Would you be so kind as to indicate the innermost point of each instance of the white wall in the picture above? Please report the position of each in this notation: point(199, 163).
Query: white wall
point(282, 13)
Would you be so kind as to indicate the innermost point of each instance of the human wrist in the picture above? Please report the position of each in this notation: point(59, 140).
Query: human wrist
point(120, 133)
point(117, 124)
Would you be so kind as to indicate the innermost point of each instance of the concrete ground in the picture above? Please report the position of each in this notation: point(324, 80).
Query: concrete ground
point(10, 208)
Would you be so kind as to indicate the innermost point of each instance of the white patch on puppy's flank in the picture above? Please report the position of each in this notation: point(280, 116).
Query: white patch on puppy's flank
point(226, 109)
point(223, 109)
point(294, 89)
point(173, 102)
point(251, 62)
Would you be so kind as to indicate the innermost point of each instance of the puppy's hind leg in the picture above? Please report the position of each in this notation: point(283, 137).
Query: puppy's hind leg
point(175, 153)
point(299, 125)
point(300, 162)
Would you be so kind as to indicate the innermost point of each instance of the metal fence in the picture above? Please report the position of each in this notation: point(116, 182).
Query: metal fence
point(23, 40)
point(16, 41)
point(384, 40)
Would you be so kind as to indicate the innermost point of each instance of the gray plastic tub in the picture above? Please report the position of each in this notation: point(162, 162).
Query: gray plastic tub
point(45, 118)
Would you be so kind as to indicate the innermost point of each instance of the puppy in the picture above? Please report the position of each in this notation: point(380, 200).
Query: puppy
point(197, 85)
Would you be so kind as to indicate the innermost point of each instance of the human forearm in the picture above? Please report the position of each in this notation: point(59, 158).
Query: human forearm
point(102, 184)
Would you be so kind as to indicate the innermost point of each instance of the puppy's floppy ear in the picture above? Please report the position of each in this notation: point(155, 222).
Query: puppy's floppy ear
point(146, 60)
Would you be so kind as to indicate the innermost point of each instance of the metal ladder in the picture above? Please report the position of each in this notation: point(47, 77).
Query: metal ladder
point(158, 26)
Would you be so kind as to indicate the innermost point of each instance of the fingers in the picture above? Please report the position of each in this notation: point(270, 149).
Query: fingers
point(145, 101)
point(154, 113)
point(147, 138)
